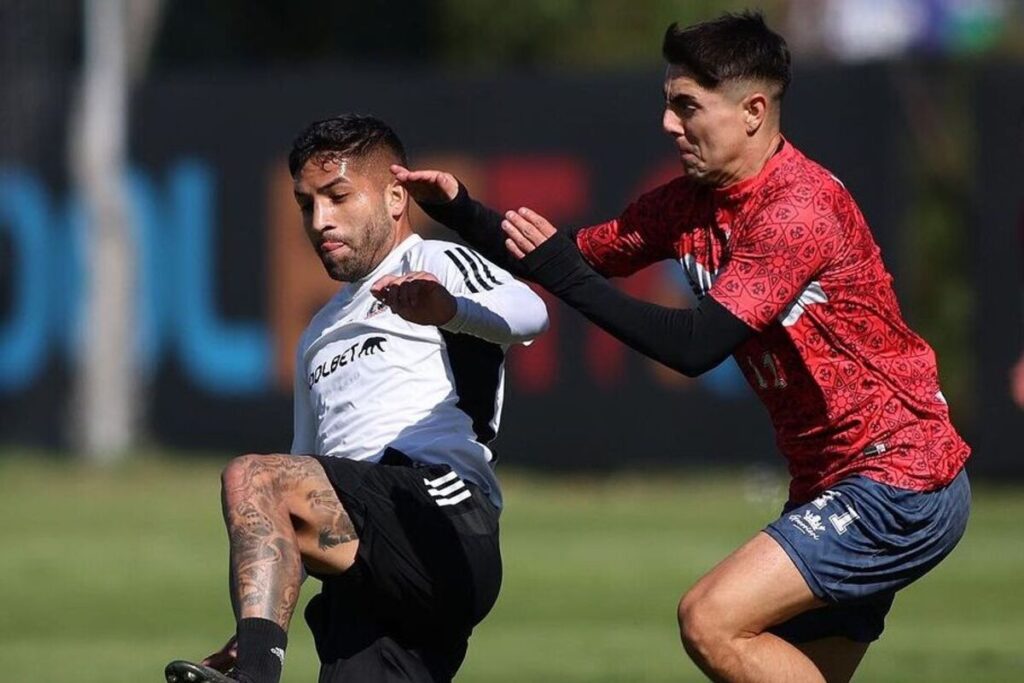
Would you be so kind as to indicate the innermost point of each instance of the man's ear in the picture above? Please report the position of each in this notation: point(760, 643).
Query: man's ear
point(755, 111)
point(397, 199)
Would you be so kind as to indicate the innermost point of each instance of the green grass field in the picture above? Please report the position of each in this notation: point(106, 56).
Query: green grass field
point(106, 575)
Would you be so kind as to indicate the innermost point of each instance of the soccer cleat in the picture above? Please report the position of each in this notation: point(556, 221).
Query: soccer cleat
point(180, 671)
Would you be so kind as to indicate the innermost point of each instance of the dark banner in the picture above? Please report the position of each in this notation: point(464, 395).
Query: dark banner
point(997, 267)
point(227, 281)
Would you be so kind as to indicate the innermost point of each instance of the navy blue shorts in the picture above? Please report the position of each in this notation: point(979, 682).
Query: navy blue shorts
point(861, 541)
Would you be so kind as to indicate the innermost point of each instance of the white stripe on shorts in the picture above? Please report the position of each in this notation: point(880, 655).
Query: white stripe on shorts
point(455, 499)
point(448, 490)
point(434, 483)
point(443, 496)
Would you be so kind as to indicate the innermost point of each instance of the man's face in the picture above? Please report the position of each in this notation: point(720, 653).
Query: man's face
point(345, 215)
point(709, 127)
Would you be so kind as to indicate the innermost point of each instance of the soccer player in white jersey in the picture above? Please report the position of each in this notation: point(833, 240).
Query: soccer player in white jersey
point(389, 496)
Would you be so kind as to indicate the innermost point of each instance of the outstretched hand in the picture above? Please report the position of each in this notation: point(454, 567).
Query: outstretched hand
point(417, 297)
point(526, 230)
point(429, 186)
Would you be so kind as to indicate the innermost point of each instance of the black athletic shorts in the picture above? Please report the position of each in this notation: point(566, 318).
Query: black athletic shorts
point(427, 571)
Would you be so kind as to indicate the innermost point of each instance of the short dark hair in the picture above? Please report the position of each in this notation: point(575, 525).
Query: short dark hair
point(731, 47)
point(347, 135)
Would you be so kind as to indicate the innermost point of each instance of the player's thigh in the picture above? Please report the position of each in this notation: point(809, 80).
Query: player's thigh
point(326, 537)
point(837, 658)
point(758, 585)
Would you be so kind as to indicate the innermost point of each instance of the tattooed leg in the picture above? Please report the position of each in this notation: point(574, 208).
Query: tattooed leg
point(281, 511)
point(331, 525)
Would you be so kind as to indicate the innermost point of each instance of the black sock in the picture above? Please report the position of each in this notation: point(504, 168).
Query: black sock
point(261, 646)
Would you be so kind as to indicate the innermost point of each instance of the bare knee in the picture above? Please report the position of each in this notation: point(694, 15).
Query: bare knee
point(701, 627)
point(274, 483)
point(241, 475)
point(694, 630)
point(266, 481)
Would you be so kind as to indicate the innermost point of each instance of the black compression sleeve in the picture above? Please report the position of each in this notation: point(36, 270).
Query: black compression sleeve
point(691, 341)
point(479, 225)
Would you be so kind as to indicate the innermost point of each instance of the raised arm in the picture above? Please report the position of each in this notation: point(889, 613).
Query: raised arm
point(691, 341)
point(643, 234)
point(463, 293)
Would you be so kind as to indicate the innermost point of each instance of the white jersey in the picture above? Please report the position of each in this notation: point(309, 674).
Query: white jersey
point(366, 379)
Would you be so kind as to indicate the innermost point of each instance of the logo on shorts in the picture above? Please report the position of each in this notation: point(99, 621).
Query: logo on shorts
point(841, 522)
point(447, 490)
point(825, 498)
point(809, 524)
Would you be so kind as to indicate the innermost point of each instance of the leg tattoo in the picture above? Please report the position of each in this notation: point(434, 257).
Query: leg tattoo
point(337, 527)
point(266, 568)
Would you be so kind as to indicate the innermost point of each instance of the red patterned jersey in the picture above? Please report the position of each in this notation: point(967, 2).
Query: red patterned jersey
point(849, 387)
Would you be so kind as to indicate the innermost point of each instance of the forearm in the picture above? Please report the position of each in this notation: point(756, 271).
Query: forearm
point(505, 315)
point(691, 341)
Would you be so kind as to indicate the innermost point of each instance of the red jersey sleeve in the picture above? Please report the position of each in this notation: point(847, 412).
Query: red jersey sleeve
point(774, 258)
point(645, 233)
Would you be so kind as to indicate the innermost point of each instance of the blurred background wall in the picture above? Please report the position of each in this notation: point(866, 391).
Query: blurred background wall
point(170, 121)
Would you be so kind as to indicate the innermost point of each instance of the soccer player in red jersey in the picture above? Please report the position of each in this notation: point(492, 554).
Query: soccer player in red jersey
point(792, 285)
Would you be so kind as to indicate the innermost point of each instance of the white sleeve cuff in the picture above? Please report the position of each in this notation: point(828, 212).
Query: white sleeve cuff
point(507, 315)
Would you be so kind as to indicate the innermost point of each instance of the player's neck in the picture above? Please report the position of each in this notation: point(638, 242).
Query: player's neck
point(403, 231)
point(760, 152)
